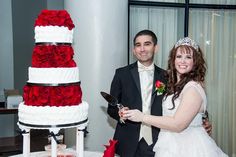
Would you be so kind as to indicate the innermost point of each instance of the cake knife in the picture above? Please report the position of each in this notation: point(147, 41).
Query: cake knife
point(112, 101)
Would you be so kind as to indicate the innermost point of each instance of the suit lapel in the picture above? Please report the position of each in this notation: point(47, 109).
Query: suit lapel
point(156, 77)
point(135, 74)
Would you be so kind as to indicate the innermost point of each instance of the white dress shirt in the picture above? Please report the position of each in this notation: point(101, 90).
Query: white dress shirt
point(146, 75)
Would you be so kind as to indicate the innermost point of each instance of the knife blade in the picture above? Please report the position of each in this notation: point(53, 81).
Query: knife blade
point(109, 98)
point(113, 102)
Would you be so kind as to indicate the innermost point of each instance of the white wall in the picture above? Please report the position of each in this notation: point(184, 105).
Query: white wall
point(100, 44)
point(6, 64)
point(6, 48)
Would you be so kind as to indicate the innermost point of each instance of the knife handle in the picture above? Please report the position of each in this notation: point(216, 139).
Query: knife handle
point(120, 106)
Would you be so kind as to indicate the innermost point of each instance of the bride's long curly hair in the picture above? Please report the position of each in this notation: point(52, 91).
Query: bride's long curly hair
point(196, 74)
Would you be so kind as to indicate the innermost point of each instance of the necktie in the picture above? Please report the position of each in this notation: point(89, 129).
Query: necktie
point(142, 68)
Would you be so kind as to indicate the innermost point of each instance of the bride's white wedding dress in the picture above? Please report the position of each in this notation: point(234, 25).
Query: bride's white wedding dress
point(191, 142)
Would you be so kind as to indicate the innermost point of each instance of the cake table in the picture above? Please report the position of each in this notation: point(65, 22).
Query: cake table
point(41, 154)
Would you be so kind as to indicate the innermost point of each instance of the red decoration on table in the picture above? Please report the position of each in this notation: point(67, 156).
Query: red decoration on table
point(110, 149)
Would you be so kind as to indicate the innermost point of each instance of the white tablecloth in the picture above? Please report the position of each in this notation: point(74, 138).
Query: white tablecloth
point(41, 154)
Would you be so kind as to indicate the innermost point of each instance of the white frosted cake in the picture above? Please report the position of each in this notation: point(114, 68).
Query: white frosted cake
point(52, 95)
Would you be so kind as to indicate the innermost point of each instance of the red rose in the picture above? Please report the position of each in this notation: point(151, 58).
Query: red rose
point(70, 93)
point(158, 84)
point(160, 87)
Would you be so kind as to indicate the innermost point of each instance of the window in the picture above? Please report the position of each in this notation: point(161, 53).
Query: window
point(212, 24)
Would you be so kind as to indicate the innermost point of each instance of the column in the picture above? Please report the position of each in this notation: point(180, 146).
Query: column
point(100, 45)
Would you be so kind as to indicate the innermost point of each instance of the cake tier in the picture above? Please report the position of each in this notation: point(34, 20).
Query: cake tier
point(54, 18)
point(46, 116)
point(49, 56)
point(70, 95)
point(53, 75)
point(53, 34)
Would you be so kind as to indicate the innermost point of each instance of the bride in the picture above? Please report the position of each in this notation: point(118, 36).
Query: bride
point(184, 103)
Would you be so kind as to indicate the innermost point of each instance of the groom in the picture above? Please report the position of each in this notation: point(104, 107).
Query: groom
point(134, 87)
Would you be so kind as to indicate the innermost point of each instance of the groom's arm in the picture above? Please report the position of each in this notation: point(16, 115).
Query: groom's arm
point(116, 92)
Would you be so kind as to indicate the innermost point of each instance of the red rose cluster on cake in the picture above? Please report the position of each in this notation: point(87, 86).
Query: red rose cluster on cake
point(54, 18)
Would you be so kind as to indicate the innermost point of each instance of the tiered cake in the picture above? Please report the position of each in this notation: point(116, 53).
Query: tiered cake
point(52, 95)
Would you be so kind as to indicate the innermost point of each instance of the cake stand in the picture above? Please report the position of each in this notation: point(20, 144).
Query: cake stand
point(80, 129)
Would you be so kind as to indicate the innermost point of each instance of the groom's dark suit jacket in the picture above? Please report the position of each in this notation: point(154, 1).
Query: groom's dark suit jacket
point(126, 88)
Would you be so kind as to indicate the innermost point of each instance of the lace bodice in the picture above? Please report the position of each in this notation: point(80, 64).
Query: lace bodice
point(167, 103)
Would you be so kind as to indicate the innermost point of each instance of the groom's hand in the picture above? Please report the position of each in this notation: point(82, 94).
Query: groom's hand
point(207, 125)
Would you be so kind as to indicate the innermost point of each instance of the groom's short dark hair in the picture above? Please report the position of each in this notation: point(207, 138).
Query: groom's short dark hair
point(146, 32)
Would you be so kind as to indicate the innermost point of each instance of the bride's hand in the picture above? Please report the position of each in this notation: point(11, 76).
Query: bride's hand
point(121, 113)
point(134, 115)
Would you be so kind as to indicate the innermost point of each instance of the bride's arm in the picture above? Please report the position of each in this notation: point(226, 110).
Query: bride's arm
point(189, 106)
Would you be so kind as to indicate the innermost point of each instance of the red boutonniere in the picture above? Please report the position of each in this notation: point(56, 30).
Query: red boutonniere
point(160, 87)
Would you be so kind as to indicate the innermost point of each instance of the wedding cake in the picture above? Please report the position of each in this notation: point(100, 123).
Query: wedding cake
point(53, 96)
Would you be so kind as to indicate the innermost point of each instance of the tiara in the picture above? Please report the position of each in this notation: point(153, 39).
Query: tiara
point(187, 41)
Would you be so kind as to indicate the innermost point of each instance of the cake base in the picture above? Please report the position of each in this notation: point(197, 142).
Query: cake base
point(53, 118)
point(46, 117)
